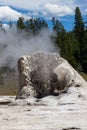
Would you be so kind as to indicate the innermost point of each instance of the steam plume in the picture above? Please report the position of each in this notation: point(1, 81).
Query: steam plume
point(13, 45)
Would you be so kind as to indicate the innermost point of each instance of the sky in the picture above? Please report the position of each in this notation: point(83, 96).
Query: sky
point(63, 10)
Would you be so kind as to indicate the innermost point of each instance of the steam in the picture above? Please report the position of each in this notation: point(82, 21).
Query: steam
point(14, 44)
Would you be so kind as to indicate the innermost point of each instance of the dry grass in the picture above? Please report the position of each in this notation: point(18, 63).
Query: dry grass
point(84, 75)
point(10, 86)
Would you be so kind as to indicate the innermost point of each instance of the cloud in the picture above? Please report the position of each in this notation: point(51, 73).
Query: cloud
point(25, 4)
point(9, 14)
point(47, 8)
point(6, 13)
point(56, 10)
point(52, 7)
point(36, 4)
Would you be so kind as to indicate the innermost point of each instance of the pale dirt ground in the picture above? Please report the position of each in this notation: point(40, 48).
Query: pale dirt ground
point(65, 112)
point(42, 118)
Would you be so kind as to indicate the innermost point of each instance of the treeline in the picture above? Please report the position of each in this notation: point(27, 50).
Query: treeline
point(73, 44)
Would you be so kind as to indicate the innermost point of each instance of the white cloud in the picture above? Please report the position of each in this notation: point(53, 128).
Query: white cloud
point(6, 13)
point(9, 14)
point(52, 7)
point(35, 4)
point(25, 4)
point(56, 10)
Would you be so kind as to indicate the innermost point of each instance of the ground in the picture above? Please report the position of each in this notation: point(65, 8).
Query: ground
point(51, 117)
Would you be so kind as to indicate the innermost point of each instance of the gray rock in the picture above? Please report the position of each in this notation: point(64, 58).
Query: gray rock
point(42, 74)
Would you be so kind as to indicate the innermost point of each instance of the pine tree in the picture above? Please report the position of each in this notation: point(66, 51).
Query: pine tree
point(20, 23)
point(60, 36)
point(66, 42)
point(84, 63)
point(79, 32)
point(57, 26)
point(35, 25)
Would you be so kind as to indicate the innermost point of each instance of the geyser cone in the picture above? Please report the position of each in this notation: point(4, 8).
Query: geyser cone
point(42, 74)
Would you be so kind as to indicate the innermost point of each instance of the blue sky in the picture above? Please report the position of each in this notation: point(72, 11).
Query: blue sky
point(61, 9)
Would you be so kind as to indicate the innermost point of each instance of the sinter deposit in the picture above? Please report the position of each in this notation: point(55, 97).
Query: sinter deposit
point(42, 74)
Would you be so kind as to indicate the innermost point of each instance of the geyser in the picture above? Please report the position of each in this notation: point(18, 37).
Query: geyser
point(42, 74)
point(14, 44)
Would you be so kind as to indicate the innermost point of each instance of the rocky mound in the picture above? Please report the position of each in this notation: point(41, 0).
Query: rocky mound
point(42, 74)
